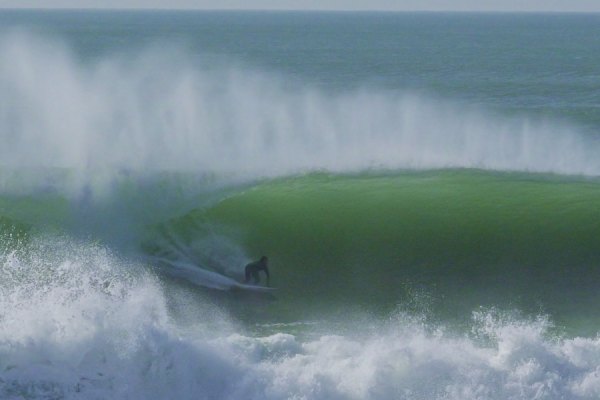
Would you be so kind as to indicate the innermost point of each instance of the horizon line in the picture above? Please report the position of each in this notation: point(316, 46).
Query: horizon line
point(474, 11)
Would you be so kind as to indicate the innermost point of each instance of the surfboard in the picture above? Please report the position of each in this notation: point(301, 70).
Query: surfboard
point(253, 288)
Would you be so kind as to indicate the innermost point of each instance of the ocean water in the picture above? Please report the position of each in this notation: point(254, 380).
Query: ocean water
point(426, 186)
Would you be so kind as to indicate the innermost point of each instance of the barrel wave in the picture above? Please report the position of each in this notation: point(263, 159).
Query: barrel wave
point(422, 246)
point(461, 238)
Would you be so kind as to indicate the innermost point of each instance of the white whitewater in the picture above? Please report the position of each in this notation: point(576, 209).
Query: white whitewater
point(79, 323)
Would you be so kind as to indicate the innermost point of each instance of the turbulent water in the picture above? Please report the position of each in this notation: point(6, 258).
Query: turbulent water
point(426, 186)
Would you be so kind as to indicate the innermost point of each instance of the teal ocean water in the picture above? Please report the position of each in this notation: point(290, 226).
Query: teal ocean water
point(426, 186)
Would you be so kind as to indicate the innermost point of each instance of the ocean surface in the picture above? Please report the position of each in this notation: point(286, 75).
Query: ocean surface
point(426, 187)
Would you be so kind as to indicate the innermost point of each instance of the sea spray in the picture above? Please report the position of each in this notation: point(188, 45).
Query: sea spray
point(166, 110)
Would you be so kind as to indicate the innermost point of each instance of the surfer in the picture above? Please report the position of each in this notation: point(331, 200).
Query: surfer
point(255, 267)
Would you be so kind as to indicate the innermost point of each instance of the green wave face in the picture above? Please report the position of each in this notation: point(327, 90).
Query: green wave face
point(460, 239)
point(440, 243)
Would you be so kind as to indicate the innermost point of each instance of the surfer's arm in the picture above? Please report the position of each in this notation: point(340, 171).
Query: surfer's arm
point(268, 277)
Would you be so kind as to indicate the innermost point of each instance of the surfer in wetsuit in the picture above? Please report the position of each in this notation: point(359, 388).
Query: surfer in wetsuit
point(255, 267)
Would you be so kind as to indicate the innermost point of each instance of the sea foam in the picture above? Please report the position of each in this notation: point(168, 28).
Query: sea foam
point(79, 322)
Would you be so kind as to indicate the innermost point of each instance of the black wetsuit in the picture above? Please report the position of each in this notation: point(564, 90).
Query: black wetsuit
point(253, 269)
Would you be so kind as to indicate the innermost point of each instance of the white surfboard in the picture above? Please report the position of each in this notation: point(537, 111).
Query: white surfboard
point(253, 288)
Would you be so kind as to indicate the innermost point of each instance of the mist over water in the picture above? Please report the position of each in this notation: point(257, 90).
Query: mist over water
point(160, 109)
